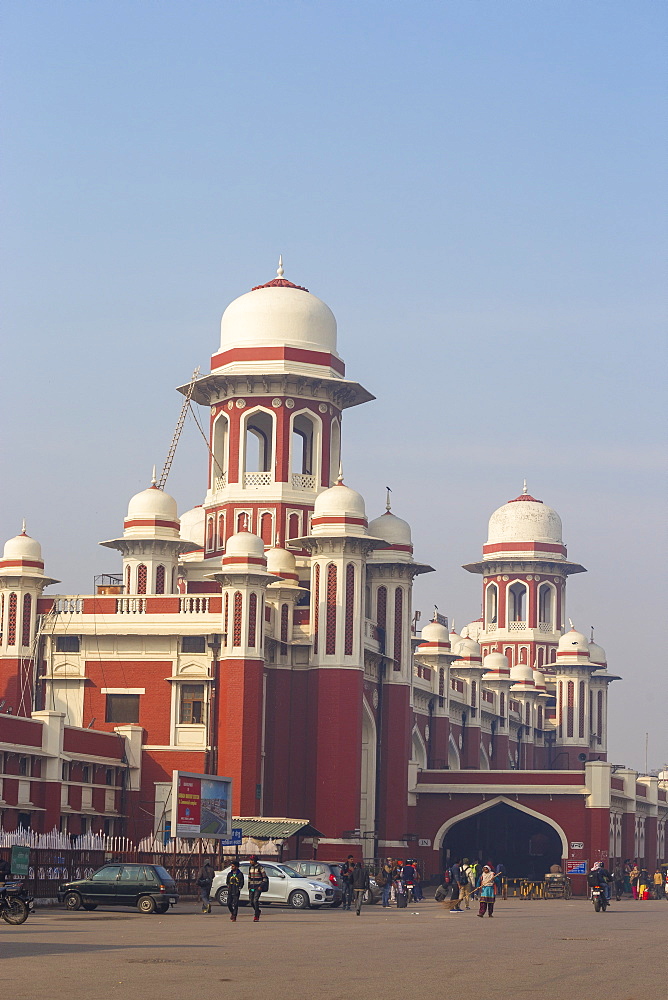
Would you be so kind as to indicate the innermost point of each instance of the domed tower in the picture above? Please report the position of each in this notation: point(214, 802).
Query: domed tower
point(151, 543)
point(22, 581)
point(524, 570)
point(276, 393)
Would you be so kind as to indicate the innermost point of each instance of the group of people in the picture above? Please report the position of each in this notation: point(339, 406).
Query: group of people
point(634, 879)
point(464, 879)
point(258, 882)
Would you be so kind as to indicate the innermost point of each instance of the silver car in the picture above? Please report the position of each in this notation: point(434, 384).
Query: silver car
point(286, 886)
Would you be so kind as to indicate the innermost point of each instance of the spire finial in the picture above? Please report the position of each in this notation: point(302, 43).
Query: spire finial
point(23, 526)
point(570, 622)
point(279, 269)
point(154, 479)
point(453, 625)
point(388, 503)
point(524, 488)
point(435, 615)
point(591, 639)
point(339, 478)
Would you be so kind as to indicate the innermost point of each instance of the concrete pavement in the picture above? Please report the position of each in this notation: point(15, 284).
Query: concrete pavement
point(552, 950)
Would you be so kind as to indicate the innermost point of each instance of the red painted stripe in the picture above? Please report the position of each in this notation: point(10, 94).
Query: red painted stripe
point(21, 562)
point(575, 652)
point(150, 522)
point(340, 520)
point(399, 548)
point(277, 354)
point(254, 560)
point(524, 547)
point(434, 645)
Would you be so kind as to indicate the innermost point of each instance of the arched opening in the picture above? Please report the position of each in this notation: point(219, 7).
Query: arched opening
point(545, 604)
point(220, 451)
point(492, 603)
point(502, 832)
point(267, 528)
point(419, 754)
point(293, 526)
point(368, 783)
point(517, 602)
point(453, 755)
point(334, 451)
point(304, 450)
point(258, 448)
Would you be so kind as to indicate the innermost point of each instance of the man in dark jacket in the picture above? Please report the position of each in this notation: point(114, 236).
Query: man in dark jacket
point(360, 882)
point(204, 880)
point(346, 871)
point(455, 875)
point(235, 883)
point(256, 881)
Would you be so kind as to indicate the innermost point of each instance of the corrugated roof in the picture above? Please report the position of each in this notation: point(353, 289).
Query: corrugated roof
point(274, 827)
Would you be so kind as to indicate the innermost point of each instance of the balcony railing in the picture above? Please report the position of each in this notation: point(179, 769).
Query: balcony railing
point(517, 626)
point(130, 605)
point(302, 481)
point(194, 605)
point(253, 480)
point(220, 482)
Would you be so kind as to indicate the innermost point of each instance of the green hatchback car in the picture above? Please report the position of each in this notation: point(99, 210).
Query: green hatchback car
point(148, 887)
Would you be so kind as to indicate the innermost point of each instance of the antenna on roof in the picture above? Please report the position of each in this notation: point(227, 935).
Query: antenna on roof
point(279, 270)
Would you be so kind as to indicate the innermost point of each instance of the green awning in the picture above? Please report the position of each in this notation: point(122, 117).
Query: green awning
point(274, 828)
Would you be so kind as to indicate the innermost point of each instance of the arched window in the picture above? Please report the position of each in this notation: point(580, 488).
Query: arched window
point(209, 533)
point(284, 622)
point(258, 448)
point(517, 602)
point(334, 451)
point(508, 653)
point(142, 575)
point(570, 718)
point(236, 636)
point(381, 607)
point(220, 541)
point(350, 609)
point(127, 579)
point(553, 655)
point(226, 609)
point(243, 521)
point(267, 529)
point(330, 644)
point(599, 720)
point(492, 605)
point(398, 626)
point(523, 654)
point(220, 451)
point(581, 710)
point(252, 619)
point(540, 716)
point(545, 604)
point(316, 606)
point(541, 656)
point(160, 580)
point(293, 526)
point(502, 706)
point(304, 447)
point(11, 620)
point(25, 628)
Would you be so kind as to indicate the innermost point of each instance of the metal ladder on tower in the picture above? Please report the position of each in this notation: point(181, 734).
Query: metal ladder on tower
point(177, 431)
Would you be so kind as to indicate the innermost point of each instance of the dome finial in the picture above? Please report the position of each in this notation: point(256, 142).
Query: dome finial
point(524, 488)
point(591, 639)
point(279, 270)
point(339, 478)
point(435, 615)
point(154, 478)
point(23, 526)
point(570, 622)
point(388, 504)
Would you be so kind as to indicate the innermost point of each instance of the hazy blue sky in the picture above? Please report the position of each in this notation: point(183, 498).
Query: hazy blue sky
point(477, 189)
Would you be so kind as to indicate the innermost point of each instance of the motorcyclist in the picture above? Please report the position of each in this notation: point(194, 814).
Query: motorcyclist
point(600, 877)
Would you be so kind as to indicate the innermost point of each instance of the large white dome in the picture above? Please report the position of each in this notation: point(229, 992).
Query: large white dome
point(391, 529)
point(339, 501)
point(23, 547)
point(524, 519)
point(153, 502)
point(278, 314)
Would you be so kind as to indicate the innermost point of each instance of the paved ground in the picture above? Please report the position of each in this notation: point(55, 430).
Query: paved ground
point(552, 950)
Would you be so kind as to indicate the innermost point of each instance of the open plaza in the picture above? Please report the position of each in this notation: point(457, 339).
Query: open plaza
point(550, 949)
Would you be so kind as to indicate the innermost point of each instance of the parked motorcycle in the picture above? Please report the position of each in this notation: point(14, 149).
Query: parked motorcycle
point(599, 899)
point(15, 903)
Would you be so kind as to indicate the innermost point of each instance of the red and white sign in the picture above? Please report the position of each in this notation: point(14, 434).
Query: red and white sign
point(201, 805)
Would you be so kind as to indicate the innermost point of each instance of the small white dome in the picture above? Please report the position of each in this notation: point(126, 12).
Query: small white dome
point(522, 673)
point(280, 562)
point(539, 680)
point(278, 314)
point(391, 529)
point(573, 642)
point(597, 654)
point(496, 664)
point(23, 547)
point(524, 519)
point(244, 543)
point(468, 648)
point(435, 632)
point(153, 503)
point(339, 501)
point(193, 526)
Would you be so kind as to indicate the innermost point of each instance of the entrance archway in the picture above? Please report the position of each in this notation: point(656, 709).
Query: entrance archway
point(527, 844)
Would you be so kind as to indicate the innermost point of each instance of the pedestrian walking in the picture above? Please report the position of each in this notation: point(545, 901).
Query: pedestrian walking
point(204, 881)
point(257, 884)
point(464, 884)
point(455, 874)
point(346, 871)
point(486, 888)
point(235, 883)
point(385, 878)
point(658, 884)
point(360, 883)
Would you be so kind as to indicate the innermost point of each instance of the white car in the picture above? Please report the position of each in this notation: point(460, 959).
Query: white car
point(286, 886)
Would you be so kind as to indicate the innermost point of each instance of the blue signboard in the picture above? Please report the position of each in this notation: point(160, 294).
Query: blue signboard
point(576, 867)
point(236, 838)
